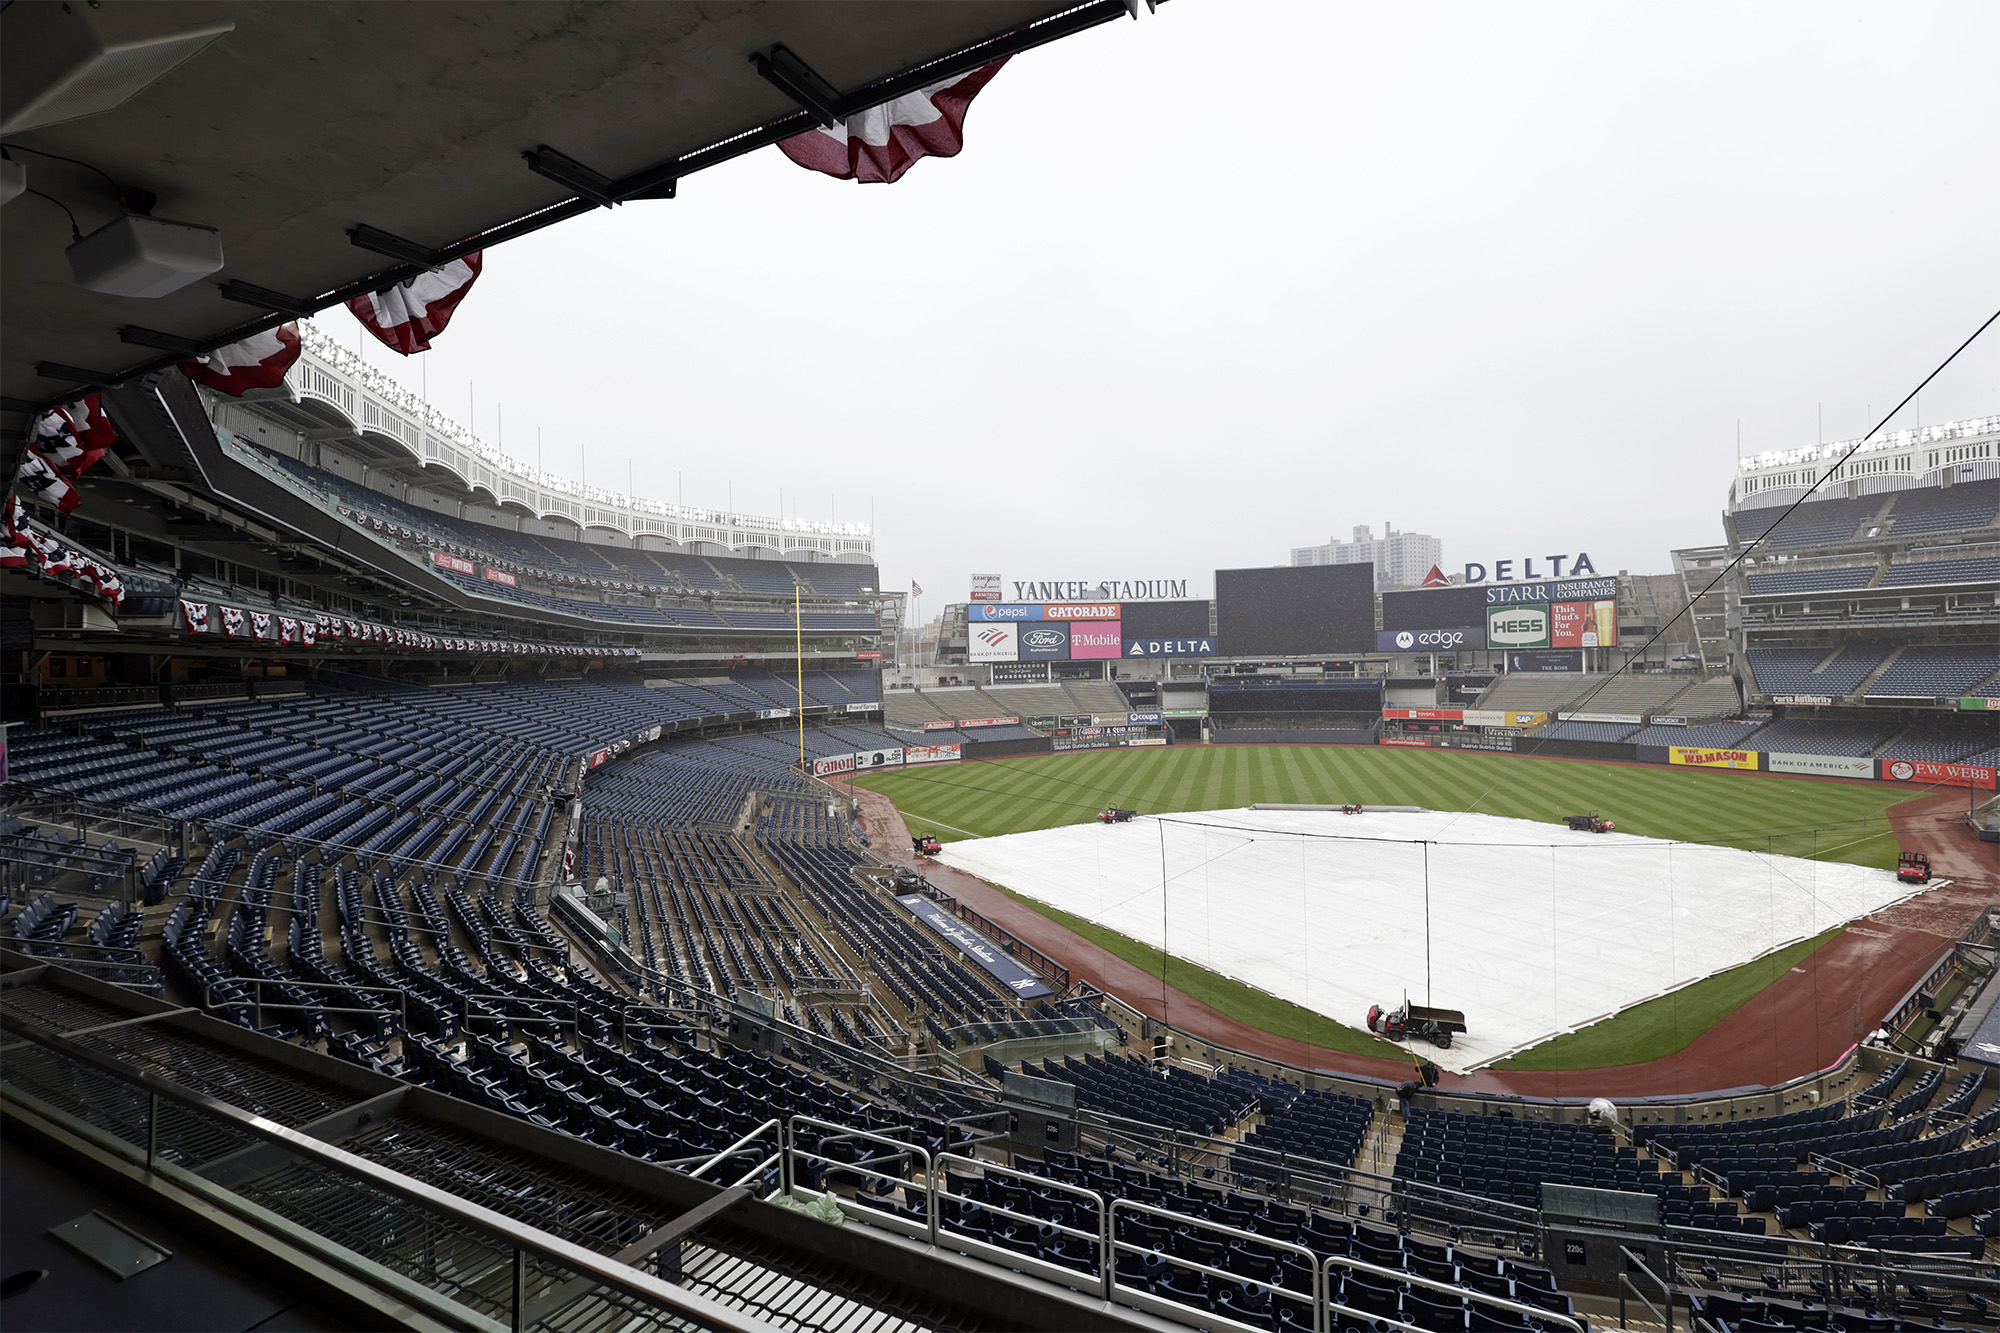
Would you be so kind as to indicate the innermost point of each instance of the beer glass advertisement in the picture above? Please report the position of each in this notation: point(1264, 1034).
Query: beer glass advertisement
point(1583, 624)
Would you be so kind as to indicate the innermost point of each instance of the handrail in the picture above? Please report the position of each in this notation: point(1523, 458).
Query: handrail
point(1625, 1282)
point(508, 1232)
point(733, 1148)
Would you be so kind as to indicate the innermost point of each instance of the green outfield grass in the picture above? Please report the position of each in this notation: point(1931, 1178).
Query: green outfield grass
point(1795, 817)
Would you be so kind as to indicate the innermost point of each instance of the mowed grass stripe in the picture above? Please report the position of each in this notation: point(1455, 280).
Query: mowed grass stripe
point(1796, 817)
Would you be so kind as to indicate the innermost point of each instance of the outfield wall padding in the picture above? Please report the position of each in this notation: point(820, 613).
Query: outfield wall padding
point(1003, 749)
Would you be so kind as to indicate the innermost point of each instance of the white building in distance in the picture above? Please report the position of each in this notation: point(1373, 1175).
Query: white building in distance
point(1401, 559)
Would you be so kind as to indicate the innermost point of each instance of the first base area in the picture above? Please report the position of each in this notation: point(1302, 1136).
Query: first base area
point(1531, 929)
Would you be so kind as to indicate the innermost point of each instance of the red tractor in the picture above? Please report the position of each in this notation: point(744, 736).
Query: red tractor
point(1913, 867)
point(1114, 815)
point(925, 845)
point(1590, 823)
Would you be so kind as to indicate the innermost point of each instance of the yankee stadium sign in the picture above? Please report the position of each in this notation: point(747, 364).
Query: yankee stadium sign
point(1108, 590)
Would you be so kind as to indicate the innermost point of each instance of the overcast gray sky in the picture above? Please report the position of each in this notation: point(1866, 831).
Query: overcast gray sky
point(1238, 276)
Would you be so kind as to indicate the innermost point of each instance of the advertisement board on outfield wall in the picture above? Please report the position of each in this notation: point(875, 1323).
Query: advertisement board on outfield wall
point(1095, 639)
point(930, 754)
point(1044, 642)
point(1198, 646)
point(1583, 624)
point(993, 643)
point(1825, 765)
point(1980, 705)
point(833, 763)
point(1937, 775)
point(1696, 757)
point(1518, 626)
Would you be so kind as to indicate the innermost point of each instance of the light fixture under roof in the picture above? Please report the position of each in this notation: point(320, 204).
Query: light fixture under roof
point(141, 256)
point(62, 62)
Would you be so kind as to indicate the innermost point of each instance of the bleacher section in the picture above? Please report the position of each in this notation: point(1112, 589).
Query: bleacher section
point(1586, 731)
point(1538, 692)
point(1814, 671)
point(1936, 671)
point(1815, 735)
point(1816, 523)
point(560, 560)
point(1813, 580)
point(1971, 569)
point(1965, 507)
point(1714, 697)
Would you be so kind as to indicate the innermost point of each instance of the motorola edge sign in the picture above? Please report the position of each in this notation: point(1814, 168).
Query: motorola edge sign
point(1429, 640)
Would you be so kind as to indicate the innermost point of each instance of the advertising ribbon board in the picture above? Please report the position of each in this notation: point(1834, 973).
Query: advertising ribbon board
point(1816, 700)
point(990, 957)
point(493, 575)
point(1694, 757)
point(1409, 742)
point(1825, 765)
point(1937, 775)
point(1430, 714)
point(1980, 705)
point(939, 724)
point(988, 722)
point(457, 564)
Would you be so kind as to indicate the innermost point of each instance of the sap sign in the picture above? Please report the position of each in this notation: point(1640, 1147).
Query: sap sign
point(1508, 571)
point(1518, 627)
point(1044, 642)
point(1203, 646)
point(1429, 640)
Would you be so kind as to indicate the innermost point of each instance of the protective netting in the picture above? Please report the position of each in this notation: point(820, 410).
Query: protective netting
point(1533, 929)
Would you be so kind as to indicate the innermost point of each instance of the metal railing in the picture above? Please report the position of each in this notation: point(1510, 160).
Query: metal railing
point(1099, 1247)
point(452, 1258)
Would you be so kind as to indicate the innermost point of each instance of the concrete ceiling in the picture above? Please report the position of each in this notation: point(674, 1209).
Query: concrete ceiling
point(310, 117)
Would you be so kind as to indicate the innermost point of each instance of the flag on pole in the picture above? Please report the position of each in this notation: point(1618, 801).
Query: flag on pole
point(258, 362)
point(883, 142)
point(916, 588)
point(408, 315)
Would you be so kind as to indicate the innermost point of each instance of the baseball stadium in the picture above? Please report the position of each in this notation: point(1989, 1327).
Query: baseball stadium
point(440, 893)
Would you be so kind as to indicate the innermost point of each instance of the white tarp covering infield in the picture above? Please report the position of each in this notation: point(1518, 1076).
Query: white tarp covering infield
point(1535, 930)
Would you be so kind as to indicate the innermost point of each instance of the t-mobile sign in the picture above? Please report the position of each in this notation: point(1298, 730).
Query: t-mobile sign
point(1096, 638)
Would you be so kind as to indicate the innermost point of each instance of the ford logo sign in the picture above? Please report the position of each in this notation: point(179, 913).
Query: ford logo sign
point(1042, 638)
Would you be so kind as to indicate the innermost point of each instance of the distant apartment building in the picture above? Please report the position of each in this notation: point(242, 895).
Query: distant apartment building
point(1401, 558)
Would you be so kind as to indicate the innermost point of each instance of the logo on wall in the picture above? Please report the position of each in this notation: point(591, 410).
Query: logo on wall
point(1518, 627)
point(1902, 770)
point(1042, 638)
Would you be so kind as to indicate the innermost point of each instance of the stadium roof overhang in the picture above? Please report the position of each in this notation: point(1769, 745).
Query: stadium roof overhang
point(342, 145)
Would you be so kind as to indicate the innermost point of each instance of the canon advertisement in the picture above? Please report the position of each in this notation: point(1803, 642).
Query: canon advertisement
point(1430, 640)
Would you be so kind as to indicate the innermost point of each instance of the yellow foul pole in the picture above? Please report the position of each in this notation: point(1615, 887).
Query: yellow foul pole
point(799, 646)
